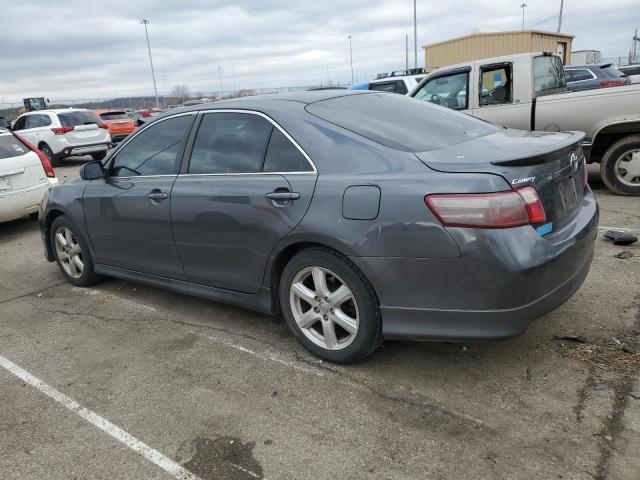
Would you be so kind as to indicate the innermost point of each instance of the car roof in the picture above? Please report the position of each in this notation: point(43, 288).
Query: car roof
point(398, 77)
point(589, 65)
point(58, 110)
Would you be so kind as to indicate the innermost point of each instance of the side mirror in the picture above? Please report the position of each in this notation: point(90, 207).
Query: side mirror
point(139, 122)
point(92, 171)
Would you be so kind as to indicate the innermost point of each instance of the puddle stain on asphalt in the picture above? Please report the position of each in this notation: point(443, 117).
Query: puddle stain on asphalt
point(225, 457)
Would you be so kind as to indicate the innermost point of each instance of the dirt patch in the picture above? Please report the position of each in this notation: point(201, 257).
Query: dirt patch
point(619, 354)
point(225, 457)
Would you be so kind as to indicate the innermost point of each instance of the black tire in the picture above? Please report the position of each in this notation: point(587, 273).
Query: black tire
point(88, 276)
point(98, 156)
point(369, 332)
point(608, 165)
point(46, 149)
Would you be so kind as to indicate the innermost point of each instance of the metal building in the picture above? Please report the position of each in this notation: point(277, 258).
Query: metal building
point(494, 44)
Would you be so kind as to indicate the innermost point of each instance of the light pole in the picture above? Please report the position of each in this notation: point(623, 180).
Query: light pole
point(523, 6)
point(415, 37)
point(560, 17)
point(153, 74)
point(351, 56)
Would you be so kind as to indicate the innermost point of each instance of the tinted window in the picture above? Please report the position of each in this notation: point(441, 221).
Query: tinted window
point(578, 75)
point(154, 151)
point(401, 88)
point(230, 143)
point(71, 119)
point(446, 90)
point(400, 122)
point(37, 121)
point(384, 87)
point(611, 71)
point(283, 156)
point(114, 116)
point(548, 74)
point(20, 123)
point(495, 85)
point(10, 146)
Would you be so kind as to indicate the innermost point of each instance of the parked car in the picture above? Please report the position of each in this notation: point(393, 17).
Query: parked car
point(141, 116)
point(584, 77)
point(528, 91)
point(357, 215)
point(67, 132)
point(401, 82)
point(631, 71)
point(25, 174)
point(118, 122)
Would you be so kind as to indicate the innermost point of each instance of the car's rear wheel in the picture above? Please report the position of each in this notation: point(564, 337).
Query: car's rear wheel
point(71, 253)
point(329, 306)
point(98, 155)
point(46, 149)
point(620, 166)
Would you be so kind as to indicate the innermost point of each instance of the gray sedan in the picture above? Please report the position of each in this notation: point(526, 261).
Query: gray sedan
point(357, 216)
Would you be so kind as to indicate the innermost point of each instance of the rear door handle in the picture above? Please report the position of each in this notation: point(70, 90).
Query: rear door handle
point(157, 195)
point(283, 196)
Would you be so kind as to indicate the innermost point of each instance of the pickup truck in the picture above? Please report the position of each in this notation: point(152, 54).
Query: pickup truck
point(528, 91)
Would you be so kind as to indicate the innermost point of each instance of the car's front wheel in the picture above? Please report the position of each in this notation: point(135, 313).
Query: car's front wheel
point(71, 253)
point(329, 306)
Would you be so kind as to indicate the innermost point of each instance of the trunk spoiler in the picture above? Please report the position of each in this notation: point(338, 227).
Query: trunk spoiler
point(552, 153)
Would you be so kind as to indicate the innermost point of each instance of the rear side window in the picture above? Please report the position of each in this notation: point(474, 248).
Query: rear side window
point(579, 75)
point(114, 116)
point(400, 122)
point(10, 146)
point(154, 151)
point(283, 156)
point(384, 87)
point(230, 143)
point(548, 74)
point(72, 119)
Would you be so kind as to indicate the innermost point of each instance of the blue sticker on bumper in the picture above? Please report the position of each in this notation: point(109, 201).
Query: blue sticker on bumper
point(544, 229)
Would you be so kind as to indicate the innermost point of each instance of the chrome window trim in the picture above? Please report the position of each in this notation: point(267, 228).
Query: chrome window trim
point(593, 75)
point(243, 173)
point(275, 124)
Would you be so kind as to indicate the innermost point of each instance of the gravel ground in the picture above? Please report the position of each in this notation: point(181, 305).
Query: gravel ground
point(227, 393)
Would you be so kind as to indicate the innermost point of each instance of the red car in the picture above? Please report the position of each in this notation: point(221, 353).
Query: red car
point(118, 123)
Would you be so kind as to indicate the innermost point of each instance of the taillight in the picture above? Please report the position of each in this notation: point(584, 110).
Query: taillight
point(611, 83)
point(103, 125)
point(46, 164)
point(62, 130)
point(514, 208)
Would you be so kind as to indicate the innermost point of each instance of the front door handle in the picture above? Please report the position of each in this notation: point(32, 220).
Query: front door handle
point(157, 195)
point(280, 196)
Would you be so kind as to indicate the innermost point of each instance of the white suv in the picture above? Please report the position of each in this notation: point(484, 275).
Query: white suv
point(65, 132)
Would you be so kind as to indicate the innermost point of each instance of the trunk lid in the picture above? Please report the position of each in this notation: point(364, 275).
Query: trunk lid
point(553, 164)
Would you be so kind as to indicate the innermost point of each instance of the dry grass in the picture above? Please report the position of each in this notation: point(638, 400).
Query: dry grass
point(620, 354)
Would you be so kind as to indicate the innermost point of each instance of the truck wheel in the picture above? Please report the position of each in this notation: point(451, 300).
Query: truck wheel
point(620, 166)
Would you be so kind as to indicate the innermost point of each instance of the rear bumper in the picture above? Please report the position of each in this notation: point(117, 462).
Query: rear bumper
point(14, 205)
point(502, 281)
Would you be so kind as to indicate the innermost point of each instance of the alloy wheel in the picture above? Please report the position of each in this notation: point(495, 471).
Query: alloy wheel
point(627, 168)
point(69, 252)
point(324, 308)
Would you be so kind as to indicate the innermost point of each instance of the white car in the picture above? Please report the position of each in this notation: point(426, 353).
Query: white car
point(400, 82)
point(65, 132)
point(25, 174)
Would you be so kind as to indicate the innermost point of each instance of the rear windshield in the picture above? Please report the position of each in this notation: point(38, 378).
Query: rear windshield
point(114, 116)
point(613, 72)
point(72, 119)
point(10, 146)
point(400, 122)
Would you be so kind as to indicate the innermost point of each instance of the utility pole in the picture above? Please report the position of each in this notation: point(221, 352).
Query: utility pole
point(415, 36)
point(560, 17)
point(406, 52)
point(523, 6)
point(351, 56)
point(153, 74)
point(220, 78)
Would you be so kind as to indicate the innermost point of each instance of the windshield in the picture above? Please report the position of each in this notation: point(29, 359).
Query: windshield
point(114, 116)
point(400, 122)
point(79, 117)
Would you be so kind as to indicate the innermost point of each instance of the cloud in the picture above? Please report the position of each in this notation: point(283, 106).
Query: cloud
point(81, 49)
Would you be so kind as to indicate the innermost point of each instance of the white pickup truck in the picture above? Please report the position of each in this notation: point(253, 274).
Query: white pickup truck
point(527, 91)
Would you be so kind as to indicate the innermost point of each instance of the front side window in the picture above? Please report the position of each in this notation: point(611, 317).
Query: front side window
point(20, 123)
point(230, 143)
point(154, 151)
point(495, 85)
point(283, 156)
point(447, 90)
point(548, 74)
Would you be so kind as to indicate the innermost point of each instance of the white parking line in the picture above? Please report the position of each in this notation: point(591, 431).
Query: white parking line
point(103, 424)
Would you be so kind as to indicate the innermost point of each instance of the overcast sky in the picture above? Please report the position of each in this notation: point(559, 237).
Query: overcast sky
point(81, 49)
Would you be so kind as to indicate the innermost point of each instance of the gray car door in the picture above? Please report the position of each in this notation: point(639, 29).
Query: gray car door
point(127, 213)
point(244, 187)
